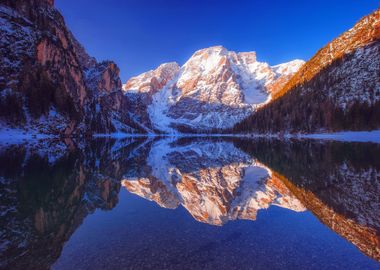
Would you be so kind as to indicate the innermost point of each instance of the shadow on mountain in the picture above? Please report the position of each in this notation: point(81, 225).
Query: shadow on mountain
point(215, 116)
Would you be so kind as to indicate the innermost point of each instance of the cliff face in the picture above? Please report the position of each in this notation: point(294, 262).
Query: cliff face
point(28, 8)
point(49, 84)
point(338, 89)
point(364, 32)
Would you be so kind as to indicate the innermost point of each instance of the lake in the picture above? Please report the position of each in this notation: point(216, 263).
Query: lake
point(190, 203)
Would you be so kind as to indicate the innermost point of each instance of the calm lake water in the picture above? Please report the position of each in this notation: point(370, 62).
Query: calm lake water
point(190, 203)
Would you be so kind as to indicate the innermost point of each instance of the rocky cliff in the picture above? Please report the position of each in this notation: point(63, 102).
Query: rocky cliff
point(48, 83)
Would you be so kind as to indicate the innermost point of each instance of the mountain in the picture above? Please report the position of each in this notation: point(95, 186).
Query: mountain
point(48, 83)
point(337, 89)
point(214, 89)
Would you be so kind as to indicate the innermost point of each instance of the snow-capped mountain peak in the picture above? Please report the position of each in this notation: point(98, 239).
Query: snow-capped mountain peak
point(152, 80)
point(214, 89)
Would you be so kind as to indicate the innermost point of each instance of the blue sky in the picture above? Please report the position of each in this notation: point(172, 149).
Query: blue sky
point(141, 34)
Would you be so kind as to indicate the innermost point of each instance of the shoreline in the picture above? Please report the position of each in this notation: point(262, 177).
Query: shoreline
point(19, 135)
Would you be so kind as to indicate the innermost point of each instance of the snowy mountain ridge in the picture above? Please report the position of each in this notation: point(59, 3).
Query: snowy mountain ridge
point(214, 89)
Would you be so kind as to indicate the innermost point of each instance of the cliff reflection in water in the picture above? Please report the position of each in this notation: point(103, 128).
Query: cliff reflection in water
point(338, 182)
point(48, 189)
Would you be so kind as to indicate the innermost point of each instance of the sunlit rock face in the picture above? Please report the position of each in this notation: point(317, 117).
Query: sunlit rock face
point(153, 80)
point(214, 89)
point(214, 181)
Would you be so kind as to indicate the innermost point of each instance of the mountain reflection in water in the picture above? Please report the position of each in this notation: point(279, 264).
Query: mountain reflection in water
point(49, 188)
point(215, 182)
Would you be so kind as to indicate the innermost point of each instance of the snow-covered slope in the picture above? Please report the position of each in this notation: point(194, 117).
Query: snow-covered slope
point(214, 89)
point(153, 80)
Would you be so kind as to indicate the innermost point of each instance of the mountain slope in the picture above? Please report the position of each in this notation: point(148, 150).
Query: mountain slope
point(139, 92)
point(338, 89)
point(48, 83)
point(214, 89)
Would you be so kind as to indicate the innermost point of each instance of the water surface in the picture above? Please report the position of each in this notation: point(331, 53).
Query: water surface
point(182, 203)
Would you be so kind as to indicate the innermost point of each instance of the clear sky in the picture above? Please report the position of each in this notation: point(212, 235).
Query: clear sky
point(141, 34)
